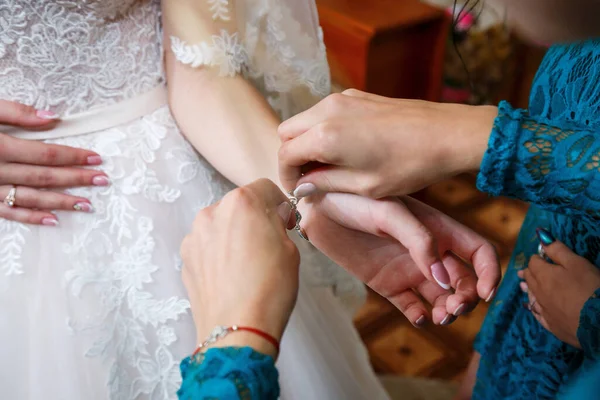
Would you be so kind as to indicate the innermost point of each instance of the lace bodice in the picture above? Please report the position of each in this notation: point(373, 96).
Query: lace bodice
point(70, 56)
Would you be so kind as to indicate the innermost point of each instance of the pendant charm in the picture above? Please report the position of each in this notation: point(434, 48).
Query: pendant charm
point(294, 203)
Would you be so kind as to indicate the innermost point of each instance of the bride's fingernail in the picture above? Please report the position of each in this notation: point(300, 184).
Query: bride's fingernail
point(448, 319)
point(44, 114)
point(94, 160)
point(459, 310)
point(50, 221)
point(440, 275)
point(101, 180)
point(304, 190)
point(84, 207)
point(491, 296)
point(421, 321)
point(285, 211)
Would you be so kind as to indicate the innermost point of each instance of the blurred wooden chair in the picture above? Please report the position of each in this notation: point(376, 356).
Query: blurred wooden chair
point(389, 47)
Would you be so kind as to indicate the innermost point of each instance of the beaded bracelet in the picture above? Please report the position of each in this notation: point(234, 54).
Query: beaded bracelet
point(221, 331)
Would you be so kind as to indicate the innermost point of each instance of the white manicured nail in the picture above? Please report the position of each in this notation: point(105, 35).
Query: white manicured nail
point(304, 190)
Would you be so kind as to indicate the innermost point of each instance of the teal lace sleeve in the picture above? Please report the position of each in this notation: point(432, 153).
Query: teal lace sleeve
point(229, 373)
point(588, 332)
point(555, 167)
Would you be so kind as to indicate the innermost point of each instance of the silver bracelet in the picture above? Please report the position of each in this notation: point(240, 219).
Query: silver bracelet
point(294, 203)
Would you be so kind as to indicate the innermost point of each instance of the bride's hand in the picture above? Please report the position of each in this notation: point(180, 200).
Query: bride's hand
point(382, 242)
point(30, 166)
point(240, 266)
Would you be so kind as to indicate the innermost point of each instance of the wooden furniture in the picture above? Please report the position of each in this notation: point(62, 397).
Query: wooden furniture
point(389, 47)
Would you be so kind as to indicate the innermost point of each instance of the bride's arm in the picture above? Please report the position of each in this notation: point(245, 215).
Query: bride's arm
point(224, 117)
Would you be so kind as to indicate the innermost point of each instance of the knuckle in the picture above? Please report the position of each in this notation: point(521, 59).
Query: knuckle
point(4, 146)
point(49, 155)
point(335, 102)
point(20, 112)
point(366, 187)
point(45, 178)
point(352, 92)
point(328, 137)
point(240, 197)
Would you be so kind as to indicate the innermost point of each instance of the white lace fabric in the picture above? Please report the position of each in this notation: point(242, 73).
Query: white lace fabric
point(276, 44)
point(95, 308)
point(69, 56)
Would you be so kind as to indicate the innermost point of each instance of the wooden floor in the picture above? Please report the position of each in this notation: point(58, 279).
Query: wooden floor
point(395, 346)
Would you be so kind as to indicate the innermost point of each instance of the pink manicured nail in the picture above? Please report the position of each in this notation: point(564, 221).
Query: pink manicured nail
point(491, 296)
point(101, 181)
point(50, 221)
point(421, 321)
point(440, 275)
point(44, 114)
point(304, 190)
point(448, 319)
point(84, 207)
point(459, 310)
point(94, 160)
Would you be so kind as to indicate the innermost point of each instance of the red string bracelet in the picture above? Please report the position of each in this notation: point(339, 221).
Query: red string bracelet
point(221, 331)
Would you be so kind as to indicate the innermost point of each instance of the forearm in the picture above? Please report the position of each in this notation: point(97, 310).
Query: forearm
point(226, 120)
point(222, 115)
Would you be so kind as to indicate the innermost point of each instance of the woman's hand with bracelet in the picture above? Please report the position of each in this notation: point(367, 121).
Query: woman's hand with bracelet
point(241, 268)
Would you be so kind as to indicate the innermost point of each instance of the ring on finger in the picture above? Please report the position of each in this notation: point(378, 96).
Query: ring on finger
point(542, 253)
point(11, 198)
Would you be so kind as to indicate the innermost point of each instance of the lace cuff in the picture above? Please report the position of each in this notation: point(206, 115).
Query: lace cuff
point(554, 167)
point(224, 51)
point(588, 332)
point(502, 147)
point(207, 35)
point(229, 373)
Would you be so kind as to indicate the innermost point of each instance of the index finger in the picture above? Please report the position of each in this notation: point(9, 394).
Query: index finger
point(32, 152)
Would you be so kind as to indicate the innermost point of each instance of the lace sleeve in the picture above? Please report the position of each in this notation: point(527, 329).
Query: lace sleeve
point(588, 332)
point(210, 38)
point(229, 373)
point(555, 167)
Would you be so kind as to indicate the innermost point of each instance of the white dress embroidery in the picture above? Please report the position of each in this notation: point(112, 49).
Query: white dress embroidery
point(95, 308)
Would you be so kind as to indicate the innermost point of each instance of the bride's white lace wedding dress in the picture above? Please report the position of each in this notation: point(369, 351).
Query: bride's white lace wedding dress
point(95, 309)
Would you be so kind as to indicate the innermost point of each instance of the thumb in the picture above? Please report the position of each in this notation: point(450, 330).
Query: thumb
point(555, 250)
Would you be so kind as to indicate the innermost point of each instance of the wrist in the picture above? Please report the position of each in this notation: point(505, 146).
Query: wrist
point(247, 339)
point(470, 143)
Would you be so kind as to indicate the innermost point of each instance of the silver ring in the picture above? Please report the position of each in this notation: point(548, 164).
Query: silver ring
point(11, 197)
point(542, 253)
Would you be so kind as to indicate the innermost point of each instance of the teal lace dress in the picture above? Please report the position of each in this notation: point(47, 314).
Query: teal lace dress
point(229, 373)
point(548, 156)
